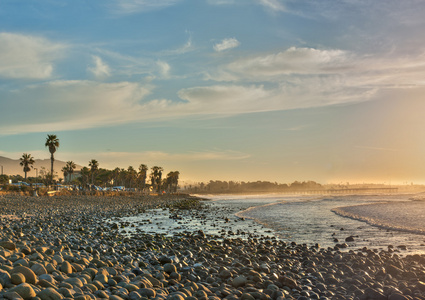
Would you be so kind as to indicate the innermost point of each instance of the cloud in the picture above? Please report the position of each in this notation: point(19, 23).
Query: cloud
point(187, 47)
point(139, 6)
point(27, 57)
point(313, 77)
point(221, 2)
point(292, 61)
point(164, 156)
point(113, 159)
point(273, 5)
point(73, 105)
point(225, 100)
point(100, 69)
point(226, 44)
point(67, 105)
point(164, 68)
point(290, 79)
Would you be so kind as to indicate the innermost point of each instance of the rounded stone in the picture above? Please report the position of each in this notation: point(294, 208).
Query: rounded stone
point(101, 278)
point(4, 277)
point(74, 282)
point(170, 268)
point(115, 297)
point(8, 245)
point(66, 267)
point(148, 293)
point(239, 281)
point(247, 296)
point(38, 269)
point(175, 297)
point(49, 294)
point(29, 274)
point(24, 290)
point(17, 278)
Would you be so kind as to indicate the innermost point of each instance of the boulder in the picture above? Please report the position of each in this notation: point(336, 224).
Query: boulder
point(24, 290)
point(4, 277)
point(38, 269)
point(12, 296)
point(66, 267)
point(29, 274)
point(239, 281)
point(49, 294)
point(17, 278)
point(170, 268)
point(8, 245)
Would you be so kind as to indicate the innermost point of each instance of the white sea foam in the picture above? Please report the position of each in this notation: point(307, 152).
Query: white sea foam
point(402, 216)
point(375, 220)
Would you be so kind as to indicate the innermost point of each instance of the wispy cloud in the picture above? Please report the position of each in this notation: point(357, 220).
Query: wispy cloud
point(100, 69)
point(226, 44)
point(27, 57)
point(187, 47)
point(126, 7)
point(67, 105)
point(292, 61)
point(113, 159)
point(164, 68)
point(273, 5)
point(221, 2)
point(377, 148)
point(190, 156)
point(313, 77)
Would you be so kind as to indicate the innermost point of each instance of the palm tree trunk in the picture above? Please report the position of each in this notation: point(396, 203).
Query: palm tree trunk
point(52, 159)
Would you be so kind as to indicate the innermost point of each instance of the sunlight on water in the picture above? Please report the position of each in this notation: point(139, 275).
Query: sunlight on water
point(311, 219)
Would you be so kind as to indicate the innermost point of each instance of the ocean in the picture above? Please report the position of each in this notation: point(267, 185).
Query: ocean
point(372, 221)
point(381, 222)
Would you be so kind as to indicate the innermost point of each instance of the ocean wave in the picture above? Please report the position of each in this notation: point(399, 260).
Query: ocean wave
point(387, 224)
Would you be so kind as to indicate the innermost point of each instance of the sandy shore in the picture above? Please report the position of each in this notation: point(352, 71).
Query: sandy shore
point(62, 248)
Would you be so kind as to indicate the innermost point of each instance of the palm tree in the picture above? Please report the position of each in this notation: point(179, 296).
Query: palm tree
point(84, 179)
point(131, 175)
point(156, 177)
point(115, 175)
point(143, 169)
point(172, 181)
point(175, 180)
point(64, 171)
point(70, 166)
point(94, 166)
point(52, 142)
point(26, 161)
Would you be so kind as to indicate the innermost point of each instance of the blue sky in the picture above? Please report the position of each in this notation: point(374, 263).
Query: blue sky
point(239, 90)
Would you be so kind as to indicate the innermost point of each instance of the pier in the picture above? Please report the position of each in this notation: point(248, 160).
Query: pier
point(380, 190)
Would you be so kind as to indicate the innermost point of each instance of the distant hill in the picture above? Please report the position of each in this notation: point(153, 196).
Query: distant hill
point(12, 167)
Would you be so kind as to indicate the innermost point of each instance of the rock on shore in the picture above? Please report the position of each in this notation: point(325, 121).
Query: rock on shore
point(61, 248)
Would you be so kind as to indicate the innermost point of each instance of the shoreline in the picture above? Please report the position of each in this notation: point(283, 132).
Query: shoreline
point(61, 248)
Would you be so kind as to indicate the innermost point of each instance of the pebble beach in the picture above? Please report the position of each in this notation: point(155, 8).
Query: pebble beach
point(68, 247)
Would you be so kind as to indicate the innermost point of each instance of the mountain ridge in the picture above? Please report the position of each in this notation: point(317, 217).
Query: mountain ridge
point(11, 167)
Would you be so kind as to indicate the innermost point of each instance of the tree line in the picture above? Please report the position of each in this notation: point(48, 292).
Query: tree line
point(93, 175)
point(217, 186)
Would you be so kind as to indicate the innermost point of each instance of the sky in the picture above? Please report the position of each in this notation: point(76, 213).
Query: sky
point(242, 90)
